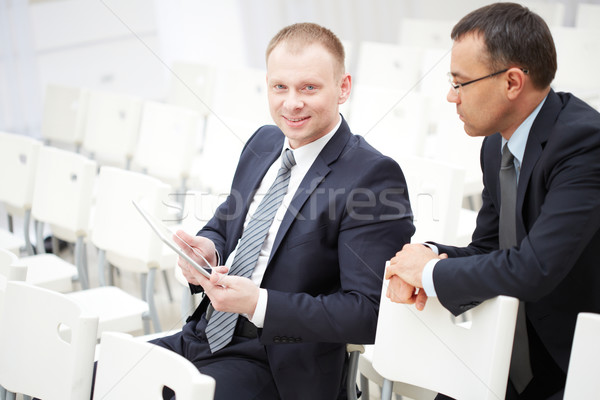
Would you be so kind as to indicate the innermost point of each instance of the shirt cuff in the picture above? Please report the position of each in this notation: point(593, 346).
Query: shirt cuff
point(433, 247)
point(258, 318)
point(427, 277)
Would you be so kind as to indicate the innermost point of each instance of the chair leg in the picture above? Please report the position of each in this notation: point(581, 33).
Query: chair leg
point(387, 389)
point(101, 267)
point(80, 263)
point(168, 286)
point(364, 387)
point(28, 245)
point(150, 299)
point(351, 376)
point(39, 235)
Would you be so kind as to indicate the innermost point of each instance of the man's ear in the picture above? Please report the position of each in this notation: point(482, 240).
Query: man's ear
point(515, 82)
point(345, 88)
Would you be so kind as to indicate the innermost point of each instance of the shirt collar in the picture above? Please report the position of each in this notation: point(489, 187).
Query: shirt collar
point(518, 140)
point(309, 152)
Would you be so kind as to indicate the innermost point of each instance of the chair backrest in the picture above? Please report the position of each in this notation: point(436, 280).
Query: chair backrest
point(118, 228)
point(223, 144)
point(424, 32)
point(168, 140)
point(112, 126)
point(36, 360)
point(435, 189)
point(129, 368)
point(18, 160)
point(63, 193)
point(429, 349)
point(391, 120)
point(64, 114)
point(10, 268)
point(587, 15)
point(192, 86)
point(388, 65)
point(582, 376)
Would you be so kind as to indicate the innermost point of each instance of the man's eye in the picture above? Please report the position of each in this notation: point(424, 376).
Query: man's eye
point(280, 87)
point(310, 87)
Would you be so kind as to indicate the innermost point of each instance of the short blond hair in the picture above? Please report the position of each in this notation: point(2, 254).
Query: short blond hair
point(306, 33)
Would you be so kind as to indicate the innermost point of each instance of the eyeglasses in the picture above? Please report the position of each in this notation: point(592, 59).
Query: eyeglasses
point(456, 86)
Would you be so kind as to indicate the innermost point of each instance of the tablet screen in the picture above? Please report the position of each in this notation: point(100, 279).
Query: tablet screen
point(166, 235)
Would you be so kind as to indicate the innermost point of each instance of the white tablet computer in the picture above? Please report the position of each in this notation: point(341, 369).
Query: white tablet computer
point(166, 235)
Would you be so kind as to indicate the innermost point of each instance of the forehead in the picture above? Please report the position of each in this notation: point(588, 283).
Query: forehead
point(468, 55)
point(288, 60)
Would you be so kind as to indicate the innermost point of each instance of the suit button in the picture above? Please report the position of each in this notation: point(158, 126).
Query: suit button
point(276, 339)
point(298, 340)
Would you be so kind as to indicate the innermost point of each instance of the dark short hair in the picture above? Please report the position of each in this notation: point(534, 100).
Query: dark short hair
point(306, 33)
point(514, 37)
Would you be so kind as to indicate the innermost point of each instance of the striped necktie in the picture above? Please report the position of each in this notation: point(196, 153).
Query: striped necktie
point(221, 325)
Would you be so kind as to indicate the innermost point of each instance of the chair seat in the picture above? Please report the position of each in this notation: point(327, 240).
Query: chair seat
point(11, 242)
point(365, 367)
point(51, 272)
point(117, 310)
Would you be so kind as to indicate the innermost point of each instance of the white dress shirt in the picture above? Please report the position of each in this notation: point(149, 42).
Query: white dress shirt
point(304, 156)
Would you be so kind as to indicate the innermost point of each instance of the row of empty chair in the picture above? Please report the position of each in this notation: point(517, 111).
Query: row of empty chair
point(80, 205)
point(50, 354)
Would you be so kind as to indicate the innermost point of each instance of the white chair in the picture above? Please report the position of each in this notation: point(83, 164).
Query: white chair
point(192, 86)
point(426, 33)
point(575, 74)
point(131, 369)
point(62, 198)
point(582, 376)
point(223, 144)
point(123, 238)
point(241, 93)
point(167, 142)
point(388, 65)
point(18, 160)
point(587, 16)
point(63, 116)
point(11, 269)
point(391, 120)
point(111, 127)
point(37, 358)
point(430, 349)
point(435, 189)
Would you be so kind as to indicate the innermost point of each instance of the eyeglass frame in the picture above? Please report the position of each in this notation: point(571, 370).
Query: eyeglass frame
point(456, 86)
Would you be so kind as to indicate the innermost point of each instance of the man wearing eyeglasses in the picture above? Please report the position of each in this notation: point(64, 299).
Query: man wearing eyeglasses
point(537, 233)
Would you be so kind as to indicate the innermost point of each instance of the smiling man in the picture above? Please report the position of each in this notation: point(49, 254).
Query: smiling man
point(314, 213)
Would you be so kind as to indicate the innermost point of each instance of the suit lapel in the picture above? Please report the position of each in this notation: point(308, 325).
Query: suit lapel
point(538, 136)
point(313, 178)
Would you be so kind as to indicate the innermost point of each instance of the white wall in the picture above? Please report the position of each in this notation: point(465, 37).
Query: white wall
point(129, 45)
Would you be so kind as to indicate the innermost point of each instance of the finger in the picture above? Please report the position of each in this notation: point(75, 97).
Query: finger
point(421, 300)
point(443, 256)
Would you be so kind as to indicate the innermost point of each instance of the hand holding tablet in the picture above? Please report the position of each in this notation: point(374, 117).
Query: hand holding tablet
point(166, 235)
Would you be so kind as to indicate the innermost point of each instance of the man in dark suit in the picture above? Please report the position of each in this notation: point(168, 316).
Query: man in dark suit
point(316, 283)
point(544, 251)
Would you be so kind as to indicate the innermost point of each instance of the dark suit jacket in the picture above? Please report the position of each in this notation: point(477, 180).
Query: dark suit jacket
point(555, 267)
point(350, 214)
